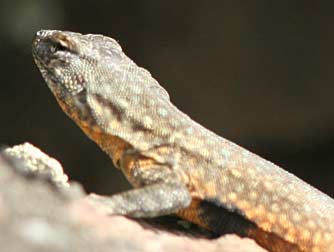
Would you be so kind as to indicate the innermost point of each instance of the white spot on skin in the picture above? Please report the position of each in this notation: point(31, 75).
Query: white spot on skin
point(327, 237)
point(177, 136)
point(317, 238)
point(236, 173)
point(239, 188)
point(190, 130)
point(245, 154)
point(205, 153)
point(311, 224)
point(275, 208)
point(147, 121)
point(137, 90)
point(135, 100)
point(122, 103)
point(286, 206)
point(162, 112)
point(283, 220)
point(232, 196)
point(164, 131)
point(268, 185)
point(253, 195)
point(261, 162)
point(307, 208)
point(296, 217)
point(226, 153)
point(211, 141)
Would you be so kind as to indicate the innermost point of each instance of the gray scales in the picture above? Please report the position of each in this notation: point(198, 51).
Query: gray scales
point(175, 164)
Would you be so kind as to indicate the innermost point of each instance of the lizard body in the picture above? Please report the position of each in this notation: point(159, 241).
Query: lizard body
point(175, 164)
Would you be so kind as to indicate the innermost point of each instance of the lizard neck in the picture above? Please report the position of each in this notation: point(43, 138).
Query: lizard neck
point(114, 146)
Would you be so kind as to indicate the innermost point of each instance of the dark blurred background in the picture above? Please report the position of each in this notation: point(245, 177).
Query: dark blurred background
point(256, 72)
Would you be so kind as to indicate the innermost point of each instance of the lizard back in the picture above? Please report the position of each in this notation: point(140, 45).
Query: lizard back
point(121, 106)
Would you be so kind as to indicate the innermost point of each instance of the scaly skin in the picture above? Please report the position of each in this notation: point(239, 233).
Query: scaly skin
point(175, 164)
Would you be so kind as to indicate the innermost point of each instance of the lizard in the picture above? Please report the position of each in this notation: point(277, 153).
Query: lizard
point(175, 165)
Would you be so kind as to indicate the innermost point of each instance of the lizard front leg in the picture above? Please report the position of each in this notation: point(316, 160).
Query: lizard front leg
point(149, 201)
point(159, 190)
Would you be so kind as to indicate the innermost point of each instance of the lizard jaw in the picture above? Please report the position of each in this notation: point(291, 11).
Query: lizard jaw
point(53, 53)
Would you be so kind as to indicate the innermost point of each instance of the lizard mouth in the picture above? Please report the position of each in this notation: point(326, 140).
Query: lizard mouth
point(48, 75)
point(45, 57)
point(53, 53)
point(37, 55)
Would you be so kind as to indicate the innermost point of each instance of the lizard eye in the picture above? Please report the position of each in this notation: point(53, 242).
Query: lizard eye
point(57, 46)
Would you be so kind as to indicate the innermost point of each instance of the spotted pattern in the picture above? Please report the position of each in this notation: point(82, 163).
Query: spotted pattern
point(129, 109)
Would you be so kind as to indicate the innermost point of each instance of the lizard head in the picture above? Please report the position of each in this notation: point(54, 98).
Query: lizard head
point(68, 60)
point(97, 85)
point(72, 63)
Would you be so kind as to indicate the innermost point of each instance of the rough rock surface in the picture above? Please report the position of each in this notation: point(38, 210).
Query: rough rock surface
point(41, 211)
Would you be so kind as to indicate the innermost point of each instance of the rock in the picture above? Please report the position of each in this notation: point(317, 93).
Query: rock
point(43, 212)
